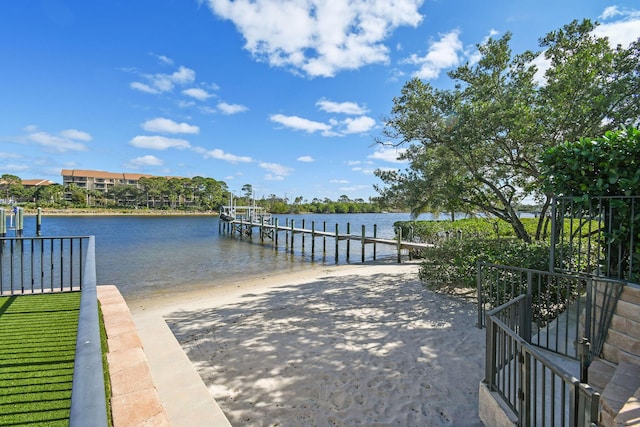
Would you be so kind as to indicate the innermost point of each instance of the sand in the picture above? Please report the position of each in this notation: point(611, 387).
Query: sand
point(333, 346)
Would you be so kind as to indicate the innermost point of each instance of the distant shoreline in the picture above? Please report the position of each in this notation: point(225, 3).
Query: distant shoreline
point(117, 212)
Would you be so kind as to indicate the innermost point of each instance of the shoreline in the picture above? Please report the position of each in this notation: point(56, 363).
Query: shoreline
point(363, 344)
point(115, 212)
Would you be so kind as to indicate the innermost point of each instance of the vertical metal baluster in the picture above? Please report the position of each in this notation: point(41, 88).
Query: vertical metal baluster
point(42, 265)
point(61, 263)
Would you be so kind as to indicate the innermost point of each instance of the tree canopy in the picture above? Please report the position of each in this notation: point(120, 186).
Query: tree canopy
point(477, 147)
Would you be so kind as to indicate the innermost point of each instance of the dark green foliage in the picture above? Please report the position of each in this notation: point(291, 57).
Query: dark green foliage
point(476, 147)
point(435, 231)
point(606, 166)
point(453, 263)
point(606, 169)
point(37, 351)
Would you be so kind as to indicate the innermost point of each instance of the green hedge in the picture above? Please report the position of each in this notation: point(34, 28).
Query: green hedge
point(453, 263)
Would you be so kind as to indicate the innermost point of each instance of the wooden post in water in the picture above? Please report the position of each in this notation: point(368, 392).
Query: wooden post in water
point(303, 236)
point(276, 232)
point(39, 222)
point(324, 238)
point(363, 242)
point(337, 241)
point(3, 223)
point(375, 234)
point(348, 241)
point(313, 239)
point(286, 234)
point(399, 233)
point(19, 222)
point(262, 228)
point(292, 234)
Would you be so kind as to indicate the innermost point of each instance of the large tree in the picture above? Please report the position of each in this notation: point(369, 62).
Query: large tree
point(478, 145)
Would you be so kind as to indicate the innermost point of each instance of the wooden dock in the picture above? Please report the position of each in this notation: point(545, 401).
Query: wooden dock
point(270, 230)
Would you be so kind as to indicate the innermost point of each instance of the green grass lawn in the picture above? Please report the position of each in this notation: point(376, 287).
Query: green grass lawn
point(37, 351)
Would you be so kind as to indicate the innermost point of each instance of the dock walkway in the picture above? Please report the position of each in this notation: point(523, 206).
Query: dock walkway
point(271, 230)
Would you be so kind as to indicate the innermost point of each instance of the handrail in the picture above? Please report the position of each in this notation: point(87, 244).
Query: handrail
point(528, 381)
point(88, 402)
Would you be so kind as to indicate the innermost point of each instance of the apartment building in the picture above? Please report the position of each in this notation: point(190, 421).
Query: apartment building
point(99, 180)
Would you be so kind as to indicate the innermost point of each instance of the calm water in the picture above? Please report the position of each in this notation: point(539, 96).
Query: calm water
point(144, 255)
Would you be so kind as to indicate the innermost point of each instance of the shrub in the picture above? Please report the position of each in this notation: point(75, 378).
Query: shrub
point(453, 263)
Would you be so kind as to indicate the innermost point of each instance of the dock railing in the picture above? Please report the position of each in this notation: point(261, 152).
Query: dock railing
point(539, 392)
point(30, 265)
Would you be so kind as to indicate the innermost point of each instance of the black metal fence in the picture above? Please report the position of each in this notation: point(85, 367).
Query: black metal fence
point(562, 309)
point(42, 264)
point(597, 236)
point(538, 391)
point(60, 264)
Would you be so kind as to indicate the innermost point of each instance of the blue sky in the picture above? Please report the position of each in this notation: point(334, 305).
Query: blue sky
point(286, 95)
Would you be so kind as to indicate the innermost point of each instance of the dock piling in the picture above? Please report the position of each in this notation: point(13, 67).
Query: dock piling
point(272, 229)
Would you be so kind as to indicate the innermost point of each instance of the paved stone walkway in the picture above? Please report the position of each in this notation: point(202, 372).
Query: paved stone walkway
point(134, 398)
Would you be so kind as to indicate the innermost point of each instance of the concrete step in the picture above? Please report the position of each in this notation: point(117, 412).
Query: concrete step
point(629, 415)
point(600, 373)
point(619, 393)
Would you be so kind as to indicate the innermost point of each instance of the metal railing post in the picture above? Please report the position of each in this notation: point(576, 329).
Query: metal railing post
point(480, 295)
point(490, 362)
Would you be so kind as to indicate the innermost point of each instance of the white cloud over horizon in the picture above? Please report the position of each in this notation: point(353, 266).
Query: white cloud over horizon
point(143, 161)
point(318, 38)
point(276, 171)
point(156, 142)
point(231, 108)
point(160, 83)
point(219, 154)
point(197, 93)
point(340, 107)
point(67, 140)
point(443, 54)
point(388, 154)
point(299, 123)
point(163, 125)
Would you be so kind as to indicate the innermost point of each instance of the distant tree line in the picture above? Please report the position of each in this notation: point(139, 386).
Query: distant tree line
point(195, 193)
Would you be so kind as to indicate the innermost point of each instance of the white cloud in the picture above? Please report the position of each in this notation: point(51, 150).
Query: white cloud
point(611, 12)
point(142, 161)
point(388, 154)
point(156, 142)
point(163, 59)
point(219, 154)
point(162, 125)
point(10, 156)
point(624, 31)
point(160, 83)
point(76, 134)
point(276, 172)
point(298, 123)
point(340, 107)
point(143, 88)
point(197, 93)
point(358, 125)
point(339, 181)
point(231, 108)
point(442, 54)
point(318, 37)
point(67, 141)
point(15, 168)
point(306, 159)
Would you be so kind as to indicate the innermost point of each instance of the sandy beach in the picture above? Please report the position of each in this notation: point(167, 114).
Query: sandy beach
point(332, 346)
